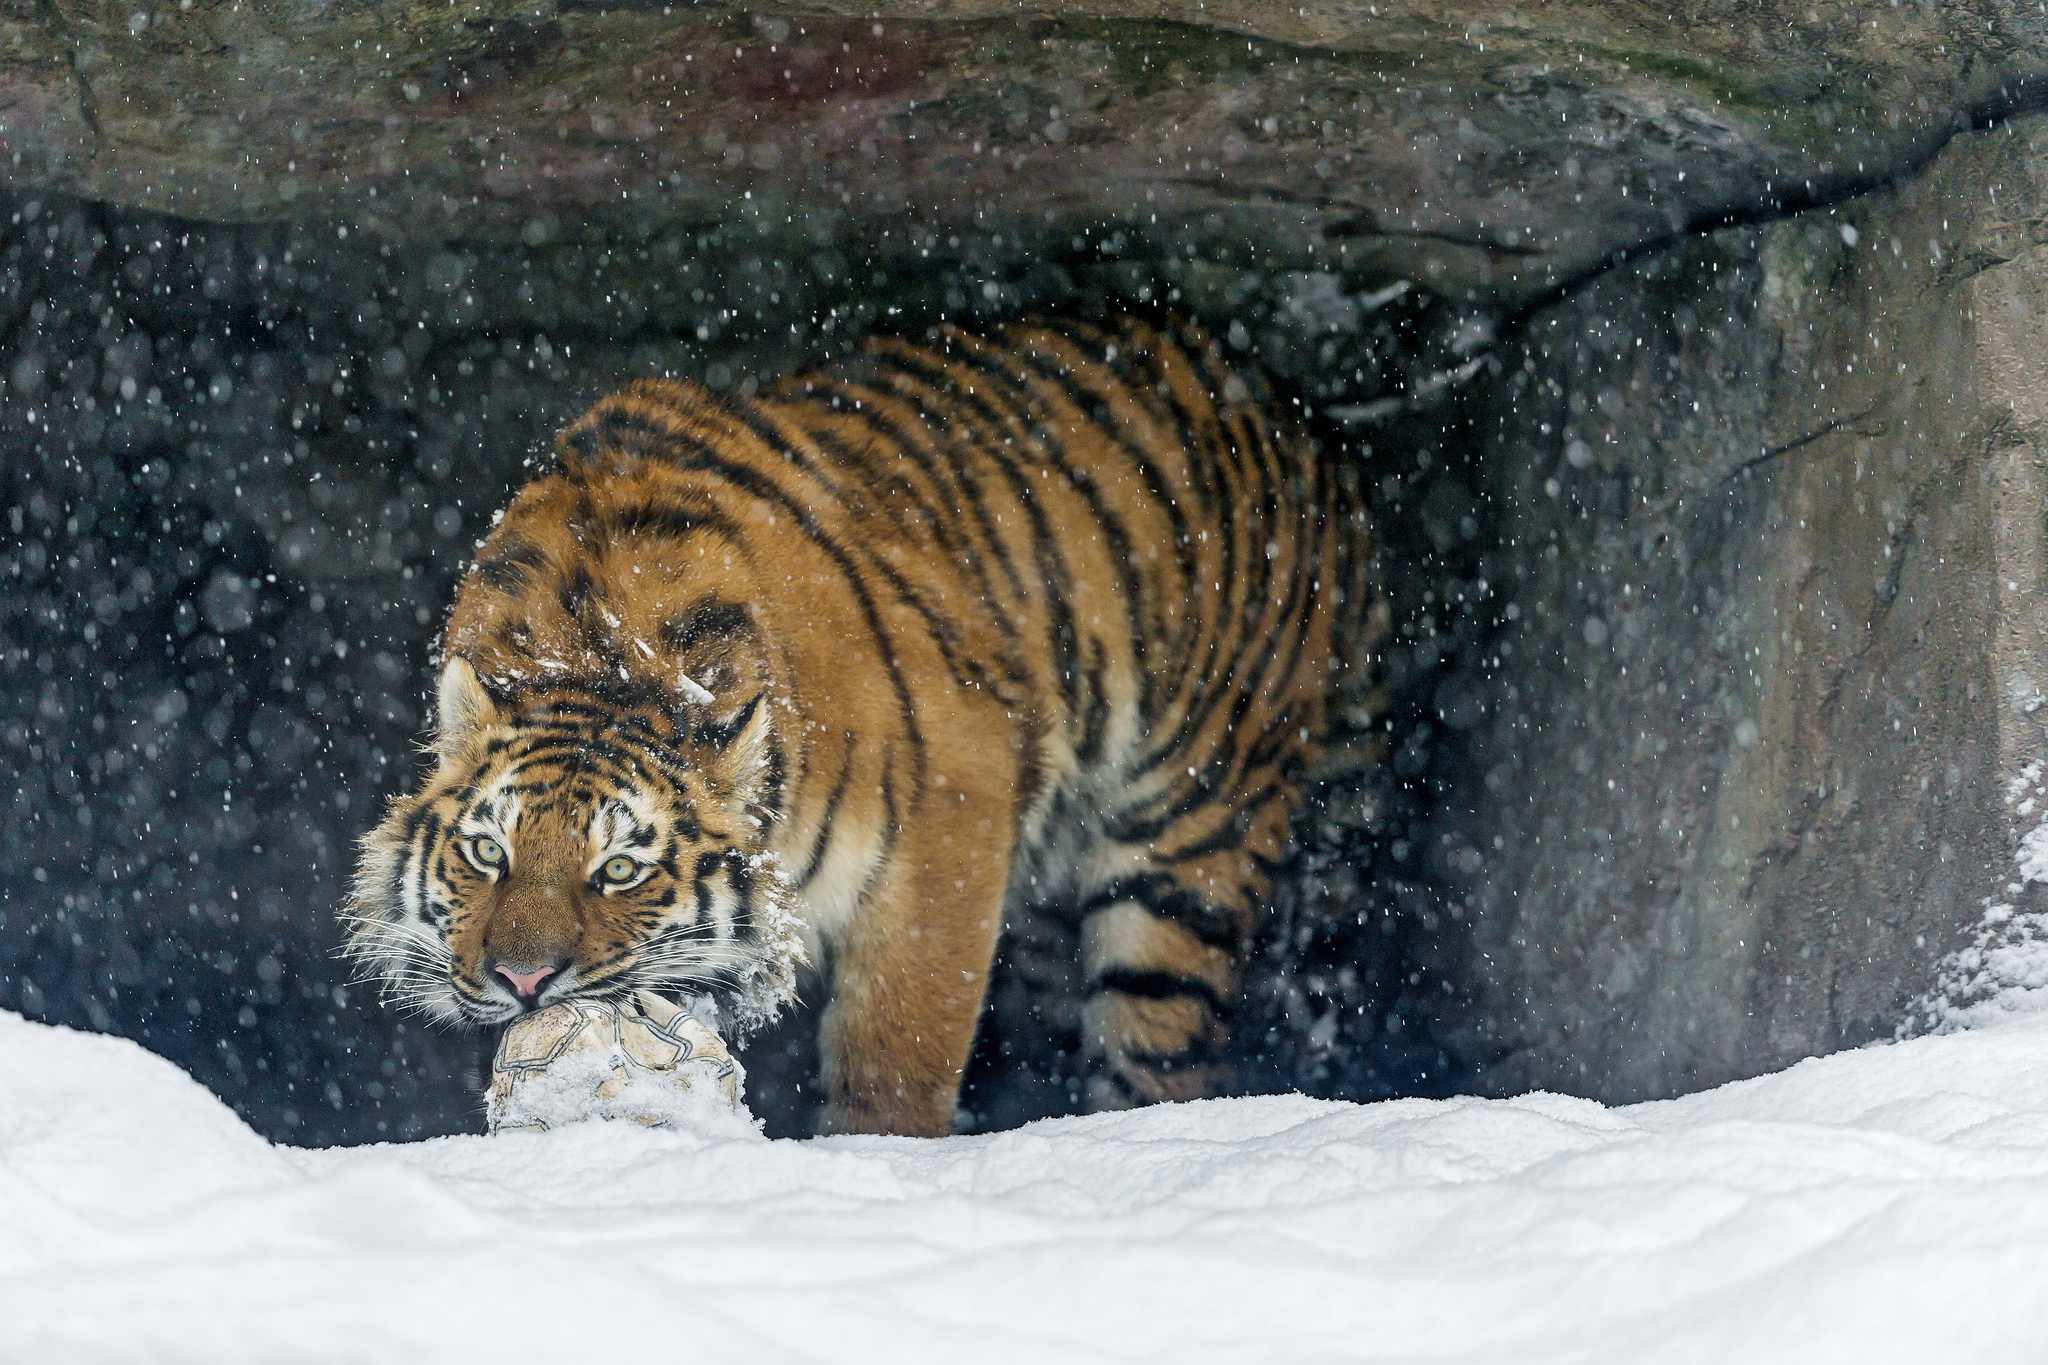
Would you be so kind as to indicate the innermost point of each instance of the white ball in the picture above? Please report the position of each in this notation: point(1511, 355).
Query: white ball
point(648, 1061)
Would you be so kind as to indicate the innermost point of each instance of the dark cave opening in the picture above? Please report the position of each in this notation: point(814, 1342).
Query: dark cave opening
point(252, 461)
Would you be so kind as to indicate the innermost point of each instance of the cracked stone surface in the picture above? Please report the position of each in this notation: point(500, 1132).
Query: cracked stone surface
point(1479, 148)
point(1772, 597)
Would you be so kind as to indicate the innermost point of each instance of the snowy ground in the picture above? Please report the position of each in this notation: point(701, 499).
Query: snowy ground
point(1889, 1204)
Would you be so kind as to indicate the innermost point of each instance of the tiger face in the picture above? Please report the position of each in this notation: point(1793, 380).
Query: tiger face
point(572, 846)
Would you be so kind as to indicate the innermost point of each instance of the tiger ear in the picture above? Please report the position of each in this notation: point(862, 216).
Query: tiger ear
point(462, 706)
point(745, 753)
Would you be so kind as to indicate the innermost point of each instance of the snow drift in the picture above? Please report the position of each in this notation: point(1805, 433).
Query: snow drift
point(1889, 1204)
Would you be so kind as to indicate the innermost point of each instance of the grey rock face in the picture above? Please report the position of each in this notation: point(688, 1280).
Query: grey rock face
point(1771, 588)
point(1468, 145)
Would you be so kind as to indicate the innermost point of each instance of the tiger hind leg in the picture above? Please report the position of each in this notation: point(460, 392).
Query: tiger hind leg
point(1161, 967)
point(1163, 949)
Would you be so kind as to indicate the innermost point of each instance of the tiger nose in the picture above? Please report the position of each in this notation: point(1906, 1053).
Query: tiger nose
point(526, 984)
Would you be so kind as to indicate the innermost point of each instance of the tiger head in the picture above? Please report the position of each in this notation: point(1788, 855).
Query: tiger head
point(570, 844)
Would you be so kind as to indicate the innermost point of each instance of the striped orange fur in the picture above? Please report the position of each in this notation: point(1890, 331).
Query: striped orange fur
point(1038, 618)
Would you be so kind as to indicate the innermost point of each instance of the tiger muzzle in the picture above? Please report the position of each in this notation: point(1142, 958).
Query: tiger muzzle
point(530, 942)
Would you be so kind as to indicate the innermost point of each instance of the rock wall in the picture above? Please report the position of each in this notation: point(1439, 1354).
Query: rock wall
point(1472, 146)
point(1768, 512)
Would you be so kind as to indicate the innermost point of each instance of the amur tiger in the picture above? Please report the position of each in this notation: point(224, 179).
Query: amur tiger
point(1039, 620)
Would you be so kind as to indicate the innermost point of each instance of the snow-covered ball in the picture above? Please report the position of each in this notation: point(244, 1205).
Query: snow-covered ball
point(646, 1060)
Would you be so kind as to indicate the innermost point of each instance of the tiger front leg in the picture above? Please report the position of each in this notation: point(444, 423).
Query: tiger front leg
point(908, 979)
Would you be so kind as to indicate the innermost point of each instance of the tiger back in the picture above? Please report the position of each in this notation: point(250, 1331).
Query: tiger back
point(1041, 620)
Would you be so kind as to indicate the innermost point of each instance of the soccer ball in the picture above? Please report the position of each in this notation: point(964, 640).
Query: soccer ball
point(646, 1060)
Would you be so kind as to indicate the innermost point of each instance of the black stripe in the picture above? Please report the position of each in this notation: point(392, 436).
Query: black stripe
point(882, 486)
point(558, 707)
point(620, 420)
point(428, 833)
point(1209, 689)
point(824, 835)
point(613, 425)
point(890, 827)
point(1157, 985)
point(1192, 443)
point(1193, 426)
point(1226, 836)
point(720, 734)
point(707, 863)
point(1225, 461)
point(963, 480)
point(583, 754)
point(711, 619)
point(642, 753)
point(931, 522)
point(1095, 724)
point(555, 746)
point(1234, 610)
point(1122, 558)
point(741, 878)
point(1273, 744)
point(1166, 899)
point(1095, 412)
point(669, 521)
point(442, 859)
point(1121, 1082)
point(510, 563)
point(576, 590)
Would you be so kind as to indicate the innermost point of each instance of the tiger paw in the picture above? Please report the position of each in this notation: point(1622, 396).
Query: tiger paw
point(646, 1061)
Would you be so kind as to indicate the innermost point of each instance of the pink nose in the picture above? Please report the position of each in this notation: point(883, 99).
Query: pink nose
point(526, 983)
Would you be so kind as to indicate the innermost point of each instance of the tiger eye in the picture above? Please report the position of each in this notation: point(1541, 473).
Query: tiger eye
point(489, 852)
point(620, 869)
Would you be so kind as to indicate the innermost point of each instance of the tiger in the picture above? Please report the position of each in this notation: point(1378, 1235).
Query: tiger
point(811, 688)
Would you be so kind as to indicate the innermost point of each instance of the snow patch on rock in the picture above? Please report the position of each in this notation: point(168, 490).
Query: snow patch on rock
point(2004, 971)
